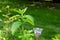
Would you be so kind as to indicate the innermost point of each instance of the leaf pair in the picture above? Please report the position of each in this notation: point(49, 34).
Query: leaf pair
point(21, 11)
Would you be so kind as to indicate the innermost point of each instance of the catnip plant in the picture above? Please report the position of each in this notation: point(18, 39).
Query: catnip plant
point(20, 19)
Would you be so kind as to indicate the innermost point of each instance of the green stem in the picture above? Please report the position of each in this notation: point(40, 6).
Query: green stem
point(22, 22)
point(22, 28)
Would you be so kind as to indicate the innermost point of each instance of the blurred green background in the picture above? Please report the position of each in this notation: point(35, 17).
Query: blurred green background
point(46, 15)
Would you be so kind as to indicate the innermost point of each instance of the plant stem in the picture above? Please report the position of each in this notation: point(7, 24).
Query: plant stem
point(22, 28)
point(22, 22)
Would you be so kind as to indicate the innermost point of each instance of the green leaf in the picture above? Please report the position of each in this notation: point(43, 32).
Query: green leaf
point(21, 11)
point(24, 10)
point(15, 26)
point(29, 19)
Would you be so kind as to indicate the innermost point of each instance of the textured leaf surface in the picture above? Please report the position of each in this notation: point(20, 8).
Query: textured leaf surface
point(15, 26)
point(29, 19)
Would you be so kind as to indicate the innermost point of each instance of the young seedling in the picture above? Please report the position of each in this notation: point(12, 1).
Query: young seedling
point(20, 19)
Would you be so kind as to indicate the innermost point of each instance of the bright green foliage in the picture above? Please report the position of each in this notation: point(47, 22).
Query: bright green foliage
point(47, 17)
point(27, 35)
point(12, 21)
point(29, 19)
point(24, 10)
point(57, 37)
point(21, 11)
point(15, 26)
point(24, 18)
point(2, 35)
